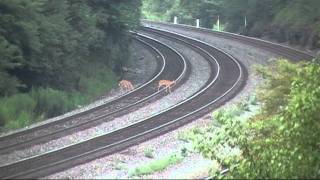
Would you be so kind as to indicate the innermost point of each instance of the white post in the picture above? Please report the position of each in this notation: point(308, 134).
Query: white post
point(218, 23)
point(175, 20)
point(245, 21)
point(198, 23)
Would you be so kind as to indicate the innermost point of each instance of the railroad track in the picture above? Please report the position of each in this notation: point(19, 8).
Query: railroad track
point(170, 67)
point(227, 78)
point(282, 50)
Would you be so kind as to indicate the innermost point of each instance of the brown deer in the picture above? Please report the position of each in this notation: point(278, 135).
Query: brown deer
point(167, 84)
point(126, 85)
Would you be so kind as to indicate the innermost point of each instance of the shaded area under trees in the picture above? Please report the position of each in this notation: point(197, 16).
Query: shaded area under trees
point(67, 49)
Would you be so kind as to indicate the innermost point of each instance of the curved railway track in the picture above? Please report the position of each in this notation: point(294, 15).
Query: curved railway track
point(227, 78)
point(282, 50)
point(230, 76)
point(170, 68)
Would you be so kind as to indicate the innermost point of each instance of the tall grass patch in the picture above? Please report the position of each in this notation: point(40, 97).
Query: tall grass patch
point(97, 84)
point(17, 110)
point(156, 165)
point(23, 109)
point(51, 102)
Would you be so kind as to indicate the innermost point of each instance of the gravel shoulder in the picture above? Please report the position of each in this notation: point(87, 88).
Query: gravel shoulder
point(199, 75)
point(194, 165)
point(140, 70)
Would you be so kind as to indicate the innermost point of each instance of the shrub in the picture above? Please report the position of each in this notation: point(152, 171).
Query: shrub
point(278, 79)
point(93, 85)
point(282, 141)
point(23, 119)
point(288, 141)
point(17, 110)
point(23, 109)
point(51, 102)
point(225, 114)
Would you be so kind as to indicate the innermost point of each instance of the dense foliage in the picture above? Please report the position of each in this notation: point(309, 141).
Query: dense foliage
point(281, 141)
point(60, 48)
point(295, 21)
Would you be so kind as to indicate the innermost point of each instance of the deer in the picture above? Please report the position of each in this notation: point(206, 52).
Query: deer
point(167, 84)
point(126, 85)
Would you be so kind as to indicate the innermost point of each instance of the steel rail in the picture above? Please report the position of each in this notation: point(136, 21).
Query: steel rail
point(282, 50)
point(166, 33)
point(178, 79)
point(85, 146)
point(11, 135)
point(95, 120)
point(286, 51)
point(33, 157)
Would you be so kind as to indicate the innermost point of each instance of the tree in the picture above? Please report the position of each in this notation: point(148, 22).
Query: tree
point(272, 144)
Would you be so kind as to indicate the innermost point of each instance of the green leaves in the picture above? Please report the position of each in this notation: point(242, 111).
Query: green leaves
point(293, 21)
point(62, 47)
point(279, 142)
point(45, 43)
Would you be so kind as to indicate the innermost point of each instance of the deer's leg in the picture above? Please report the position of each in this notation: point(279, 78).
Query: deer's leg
point(125, 87)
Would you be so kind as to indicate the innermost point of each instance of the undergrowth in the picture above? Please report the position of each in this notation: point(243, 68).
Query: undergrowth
point(23, 109)
point(156, 165)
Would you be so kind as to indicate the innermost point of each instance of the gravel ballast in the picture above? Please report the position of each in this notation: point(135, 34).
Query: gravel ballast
point(194, 166)
point(118, 165)
point(140, 71)
point(199, 73)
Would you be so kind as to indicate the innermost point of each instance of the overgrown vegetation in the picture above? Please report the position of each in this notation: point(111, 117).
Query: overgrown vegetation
point(149, 153)
point(294, 21)
point(281, 141)
point(156, 165)
point(55, 55)
point(23, 109)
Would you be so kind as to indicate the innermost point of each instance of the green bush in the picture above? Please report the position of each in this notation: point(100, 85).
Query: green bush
point(22, 109)
point(23, 119)
point(278, 79)
point(17, 110)
point(96, 79)
point(225, 114)
point(51, 102)
point(288, 141)
point(8, 84)
point(280, 142)
point(4, 115)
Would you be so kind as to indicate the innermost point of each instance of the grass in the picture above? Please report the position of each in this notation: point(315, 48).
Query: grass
point(212, 141)
point(119, 165)
point(148, 153)
point(221, 28)
point(156, 165)
point(23, 109)
point(187, 134)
